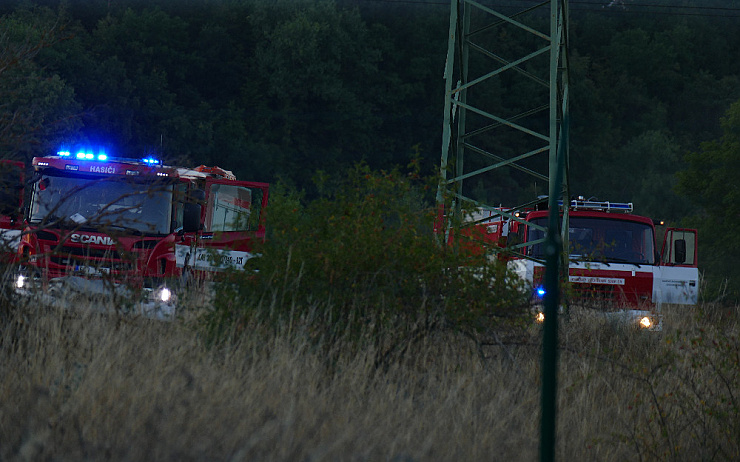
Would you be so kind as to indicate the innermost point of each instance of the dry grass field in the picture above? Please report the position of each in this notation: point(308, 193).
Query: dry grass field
point(84, 386)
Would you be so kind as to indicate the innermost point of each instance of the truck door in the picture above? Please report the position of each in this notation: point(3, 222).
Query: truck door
point(679, 247)
point(233, 220)
point(677, 278)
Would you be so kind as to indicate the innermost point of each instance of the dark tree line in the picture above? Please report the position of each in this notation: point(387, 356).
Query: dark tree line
point(268, 89)
point(285, 88)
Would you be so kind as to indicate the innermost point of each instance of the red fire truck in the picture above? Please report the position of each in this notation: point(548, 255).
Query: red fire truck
point(614, 264)
point(136, 222)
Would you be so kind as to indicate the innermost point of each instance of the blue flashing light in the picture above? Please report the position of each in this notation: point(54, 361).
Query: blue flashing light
point(82, 155)
point(100, 154)
point(540, 291)
point(83, 152)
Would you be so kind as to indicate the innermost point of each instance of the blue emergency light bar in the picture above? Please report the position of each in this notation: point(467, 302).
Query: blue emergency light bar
point(84, 155)
point(102, 156)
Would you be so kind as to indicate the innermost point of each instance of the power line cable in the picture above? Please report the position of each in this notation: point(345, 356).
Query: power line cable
point(713, 11)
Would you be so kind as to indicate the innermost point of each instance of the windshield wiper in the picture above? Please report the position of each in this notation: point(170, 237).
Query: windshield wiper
point(623, 260)
point(588, 258)
point(53, 221)
point(127, 229)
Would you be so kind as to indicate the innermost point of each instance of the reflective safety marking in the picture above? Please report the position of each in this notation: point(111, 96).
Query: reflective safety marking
point(596, 280)
point(204, 258)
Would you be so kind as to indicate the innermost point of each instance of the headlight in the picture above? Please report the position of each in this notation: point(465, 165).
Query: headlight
point(164, 295)
point(540, 317)
point(160, 303)
point(646, 322)
point(24, 283)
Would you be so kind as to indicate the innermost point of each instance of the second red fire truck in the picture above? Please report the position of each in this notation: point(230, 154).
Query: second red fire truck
point(614, 264)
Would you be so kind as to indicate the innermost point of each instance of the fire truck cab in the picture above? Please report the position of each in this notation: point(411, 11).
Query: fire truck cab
point(614, 263)
point(136, 221)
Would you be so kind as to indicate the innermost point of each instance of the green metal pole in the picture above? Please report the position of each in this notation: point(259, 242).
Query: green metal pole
point(554, 238)
point(443, 208)
point(449, 79)
point(553, 249)
point(462, 114)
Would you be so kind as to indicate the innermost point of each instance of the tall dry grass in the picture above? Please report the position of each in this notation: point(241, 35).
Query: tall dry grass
point(76, 385)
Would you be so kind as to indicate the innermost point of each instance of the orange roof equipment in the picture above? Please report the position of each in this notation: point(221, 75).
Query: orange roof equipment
point(217, 172)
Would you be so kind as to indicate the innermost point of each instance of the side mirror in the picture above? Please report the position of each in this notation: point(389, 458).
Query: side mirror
point(512, 239)
point(190, 217)
point(197, 195)
point(679, 251)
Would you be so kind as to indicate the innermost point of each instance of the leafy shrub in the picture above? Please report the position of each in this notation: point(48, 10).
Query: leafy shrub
point(361, 262)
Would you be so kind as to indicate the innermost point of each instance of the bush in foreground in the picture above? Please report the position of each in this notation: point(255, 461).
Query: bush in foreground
point(361, 262)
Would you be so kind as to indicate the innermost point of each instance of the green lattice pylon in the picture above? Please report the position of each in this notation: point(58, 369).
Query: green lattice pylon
point(489, 138)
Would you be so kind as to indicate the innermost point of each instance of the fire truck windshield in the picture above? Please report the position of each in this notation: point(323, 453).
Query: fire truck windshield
point(603, 239)
point(104, 205)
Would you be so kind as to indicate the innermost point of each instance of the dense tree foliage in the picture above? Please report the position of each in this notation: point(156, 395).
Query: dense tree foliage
point(281, 89)
point(710, 179)
point(37, 107)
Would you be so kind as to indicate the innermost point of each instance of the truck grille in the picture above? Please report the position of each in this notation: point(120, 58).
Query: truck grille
point(106, 260)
